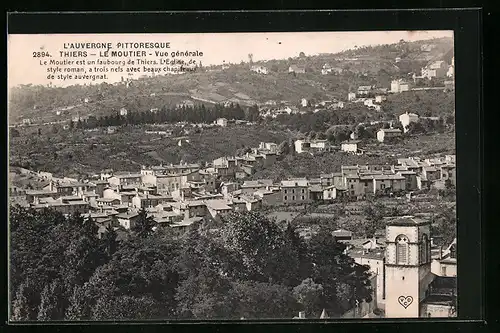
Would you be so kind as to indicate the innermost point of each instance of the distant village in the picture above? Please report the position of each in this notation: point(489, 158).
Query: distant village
point(371, 97)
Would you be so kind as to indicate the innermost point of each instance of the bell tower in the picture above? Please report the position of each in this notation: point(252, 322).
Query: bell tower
point(408, 265)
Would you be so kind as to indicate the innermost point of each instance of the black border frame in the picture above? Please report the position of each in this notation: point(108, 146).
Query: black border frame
point(466, 24)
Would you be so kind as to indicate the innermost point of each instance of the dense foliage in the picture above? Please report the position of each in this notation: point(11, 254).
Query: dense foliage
point(61, 270)
point(195, 114)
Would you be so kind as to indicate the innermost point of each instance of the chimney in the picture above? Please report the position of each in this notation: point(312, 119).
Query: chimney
point(302, 315)
point(440, 252)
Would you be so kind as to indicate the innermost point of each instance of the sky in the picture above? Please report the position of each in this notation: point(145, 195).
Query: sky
point(217, 48)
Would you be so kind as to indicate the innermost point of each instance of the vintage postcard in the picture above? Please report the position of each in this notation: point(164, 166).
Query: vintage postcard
point(215, 176)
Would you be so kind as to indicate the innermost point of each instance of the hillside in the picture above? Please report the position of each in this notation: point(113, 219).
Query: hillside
point(81, 152)
point(361, 66)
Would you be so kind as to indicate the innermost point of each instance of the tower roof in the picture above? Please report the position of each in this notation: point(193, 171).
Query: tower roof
point(409, 221)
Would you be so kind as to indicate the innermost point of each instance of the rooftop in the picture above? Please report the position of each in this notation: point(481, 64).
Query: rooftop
point(406, 221)
point(132, 175)
point(315, 188)
point(294, 183)
point(107, 199)
point(218, 204)
point(391, 130)
point(128, 215)
point(342, 233)
point(376, 254)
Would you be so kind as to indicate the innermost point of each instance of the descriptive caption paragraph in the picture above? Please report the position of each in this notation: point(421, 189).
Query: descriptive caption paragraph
point(88, 62)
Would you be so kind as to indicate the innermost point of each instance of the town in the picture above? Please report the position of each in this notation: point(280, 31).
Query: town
point(390, 207)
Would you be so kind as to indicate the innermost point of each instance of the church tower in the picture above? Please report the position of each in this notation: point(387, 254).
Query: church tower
point(408, 266)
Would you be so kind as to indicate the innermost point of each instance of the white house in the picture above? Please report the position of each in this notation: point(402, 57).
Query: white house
point(259, 69)
point(436, 69)
point(364, 90)
point(296, 69)
point(351, 96)
point(303, 102)
point(221, 122)
point(350, 146)
point(388, 133)
point(407, 118)
point(123, 112)
point(451, 69)
point(303, 146)
point(368, 102)
point(398, 86)
point(380, 98)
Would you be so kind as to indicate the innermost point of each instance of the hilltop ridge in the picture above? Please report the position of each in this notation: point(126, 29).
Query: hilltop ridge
point(371, 65)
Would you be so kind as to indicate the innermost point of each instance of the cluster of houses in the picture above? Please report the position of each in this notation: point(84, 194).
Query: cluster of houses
point(370, 96)
point(179, 195)
point(273, 111)
point(298, 69)
point(354, 146)
point(437, 69)
point(260, 69)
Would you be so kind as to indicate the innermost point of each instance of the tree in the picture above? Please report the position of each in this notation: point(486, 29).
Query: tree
point(141, 267)
point(258, 244)
point(110, 240)
point(144, 225)
point(374, 218)
point(302, 54)
point(126, 308)
point(20, 307)
point(334, 269)
point(308, 294)
point(204, 289)
point(89, 227)
point(278, 299)
point(49, 307)
point(284, 148)
point(78, 307)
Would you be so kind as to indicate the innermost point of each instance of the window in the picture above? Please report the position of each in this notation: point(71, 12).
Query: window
point(382, 186)
point(286, 198)
point(293, 191)
point(303, 191)
point(352, 186)
point(302, 197)
point(453, 253)
point(443, 270)
point(401, 250)
point(285, 191)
